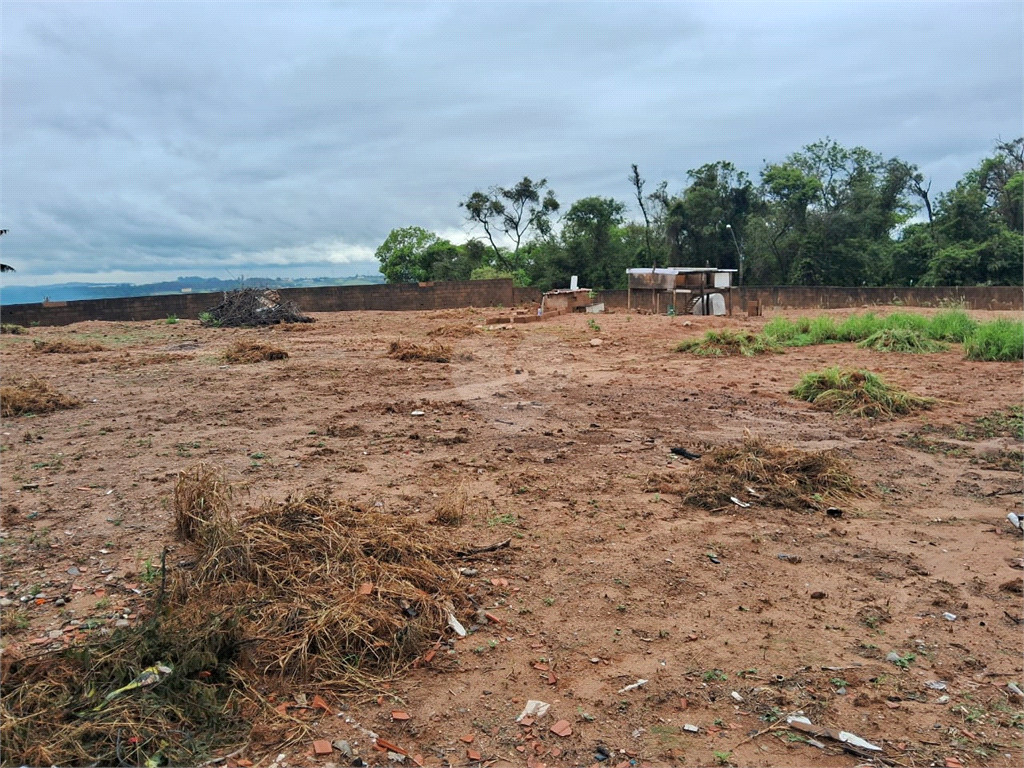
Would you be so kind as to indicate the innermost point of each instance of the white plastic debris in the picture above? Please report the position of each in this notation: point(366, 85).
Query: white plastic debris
point(935, 685)
point(1015, 521)
point(633, 686)
point(943, 699)
point(736, 696)
point(1013, 688)
point(738, 503)
point(857, 741)
point(798, 719)
point(535, 709)
point(949, 616)
point(691, 728)
point(418, 413)
point(456, 625)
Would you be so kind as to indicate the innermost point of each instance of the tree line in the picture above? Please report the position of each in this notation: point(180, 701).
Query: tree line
point(826, 215)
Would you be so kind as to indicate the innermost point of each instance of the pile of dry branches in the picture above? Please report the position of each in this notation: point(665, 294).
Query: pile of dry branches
point(252, 307)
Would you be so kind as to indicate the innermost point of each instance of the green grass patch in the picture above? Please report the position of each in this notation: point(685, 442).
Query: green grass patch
point(902, 339)
point(726, 343)
point(952, 325)
point(1000, 340)
point(856, 393)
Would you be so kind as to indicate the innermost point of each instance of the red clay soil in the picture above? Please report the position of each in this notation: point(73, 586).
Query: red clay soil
point(561, 444)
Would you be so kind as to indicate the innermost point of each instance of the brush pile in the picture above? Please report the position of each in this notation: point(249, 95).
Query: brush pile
point(771, 476)
point(306, 591)
point(66, 347)
point(249, 307)
point(857, 393)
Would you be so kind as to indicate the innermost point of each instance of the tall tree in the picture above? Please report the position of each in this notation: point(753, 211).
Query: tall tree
point(408, 254)
point(512, 212)
point(638, 190)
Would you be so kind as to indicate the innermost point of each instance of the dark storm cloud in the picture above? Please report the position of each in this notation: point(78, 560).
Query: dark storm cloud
point(193, 138)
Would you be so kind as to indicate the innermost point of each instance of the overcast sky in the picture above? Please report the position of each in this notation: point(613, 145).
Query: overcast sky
point(143, 141)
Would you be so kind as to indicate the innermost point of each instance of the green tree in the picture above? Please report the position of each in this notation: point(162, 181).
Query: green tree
point(409, 253)
point(512, 212)
point(591, 246)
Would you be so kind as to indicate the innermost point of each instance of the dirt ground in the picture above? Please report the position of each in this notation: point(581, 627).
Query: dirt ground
point(561, 444)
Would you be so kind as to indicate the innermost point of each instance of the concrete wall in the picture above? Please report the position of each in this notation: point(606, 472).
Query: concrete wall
point(470, 293)
point(816, 297)
point(495, 293)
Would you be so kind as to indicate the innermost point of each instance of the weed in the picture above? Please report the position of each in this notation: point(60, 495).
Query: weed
point(723, 758)
point(1000, 340)
point(904, 662)
point(12, 328)
point(208, 320)
point(172, 319)
point(952, 325)
point(714, 675)
point(593, 325)
point(549, 601)
point(103, 603)
point(506, 519)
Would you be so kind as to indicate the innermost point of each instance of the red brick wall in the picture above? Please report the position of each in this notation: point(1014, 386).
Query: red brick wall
point(494, 293)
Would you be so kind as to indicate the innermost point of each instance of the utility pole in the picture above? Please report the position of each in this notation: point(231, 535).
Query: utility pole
point(739, 252)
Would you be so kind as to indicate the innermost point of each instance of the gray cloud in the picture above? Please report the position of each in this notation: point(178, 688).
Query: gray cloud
point(159, 139)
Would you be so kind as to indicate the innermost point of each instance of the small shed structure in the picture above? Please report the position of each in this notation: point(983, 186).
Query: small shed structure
point(681, 290)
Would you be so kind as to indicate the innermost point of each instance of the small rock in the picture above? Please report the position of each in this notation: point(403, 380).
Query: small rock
point(736, 697)
point(344, 747)
point(596, 342)
point(690, 728)
point(893, 657)
point(55, 634)
point(122, 623)
point(834, 512)
point(5, 603)
point(818, 595)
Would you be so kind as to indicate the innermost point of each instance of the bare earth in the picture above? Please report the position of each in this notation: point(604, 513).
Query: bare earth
point(606, 581)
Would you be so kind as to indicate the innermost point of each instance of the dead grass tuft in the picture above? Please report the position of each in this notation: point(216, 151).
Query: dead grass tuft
point(12, 328)
point(450, 509)
point(766, 475)
point(33, 396)
point(309, 589)
point(454, 332)
point(253, 352)
point(202, 503)
point(67, 347)
point(408, 352)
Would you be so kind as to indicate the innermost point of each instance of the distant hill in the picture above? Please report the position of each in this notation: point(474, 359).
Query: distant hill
point(32, 294)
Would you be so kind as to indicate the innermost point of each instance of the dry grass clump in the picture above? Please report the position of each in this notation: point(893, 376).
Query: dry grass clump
point(54, 708)
point(321, 591)
point(67, 347)
point(454, 332)
point(857, 393)
point(35, 397)
point(253, 352)
point(775, 476)
point(12, 328)
point(450, 509)
point(310, 589)
point(202, 503)
point(408, 352)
